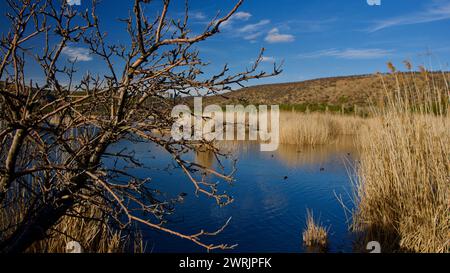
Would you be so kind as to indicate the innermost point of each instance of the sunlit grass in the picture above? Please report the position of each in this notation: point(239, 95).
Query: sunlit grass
point(403, 187)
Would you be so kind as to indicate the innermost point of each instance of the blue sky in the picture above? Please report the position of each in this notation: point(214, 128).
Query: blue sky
point(314, 38)
point(317, 38)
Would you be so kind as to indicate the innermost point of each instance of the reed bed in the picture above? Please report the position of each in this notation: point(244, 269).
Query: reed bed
point(93, 235)
point(403, 185)
point(90, 234)
point(402, 190)
point(85, 225)
point(317, 128)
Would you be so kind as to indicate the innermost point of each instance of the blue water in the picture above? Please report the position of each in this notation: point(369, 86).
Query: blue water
point(272, 192)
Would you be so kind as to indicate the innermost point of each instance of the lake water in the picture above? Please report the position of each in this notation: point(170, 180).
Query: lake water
point(272, 192)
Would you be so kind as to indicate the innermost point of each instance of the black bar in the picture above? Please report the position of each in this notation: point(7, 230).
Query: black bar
point(255, 262)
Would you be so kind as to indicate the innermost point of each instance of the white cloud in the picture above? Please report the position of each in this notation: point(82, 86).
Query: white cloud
point(372, 53)
point(251, 32)
point(438, 11)
point(265, 59)
point(238, 16)
point(253, 36)
point(268, 59)
point(242, 15)
point(77, 54)
point(251, 28)
point(274, 36)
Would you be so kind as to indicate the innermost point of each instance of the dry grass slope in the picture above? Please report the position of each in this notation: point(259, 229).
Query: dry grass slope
point(335, 92)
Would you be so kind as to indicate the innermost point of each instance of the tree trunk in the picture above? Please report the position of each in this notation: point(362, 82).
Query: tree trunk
point(10, 163)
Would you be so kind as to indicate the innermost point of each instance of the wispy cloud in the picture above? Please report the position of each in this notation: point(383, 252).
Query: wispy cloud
point(253, 36)
point(371, 53)
point(238, 16)
point(255, 30)
point(251, 32)
point(242, 15)
point(265, 59)
point(253, 27)
point(77, 54)
point(437, 11)
point(309, 26)
point(268, 59)
point(274, 36)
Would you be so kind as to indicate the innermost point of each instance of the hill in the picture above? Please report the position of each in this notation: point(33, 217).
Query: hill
point(334, 93)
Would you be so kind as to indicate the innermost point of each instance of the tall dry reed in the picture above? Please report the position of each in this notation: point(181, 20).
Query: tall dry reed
point(403, 189)
point(315, 236)
point(316, 128)
point(86, 224)
point(87, 227)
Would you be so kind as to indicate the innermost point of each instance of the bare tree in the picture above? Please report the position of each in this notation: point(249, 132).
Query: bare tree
point(57, 132)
